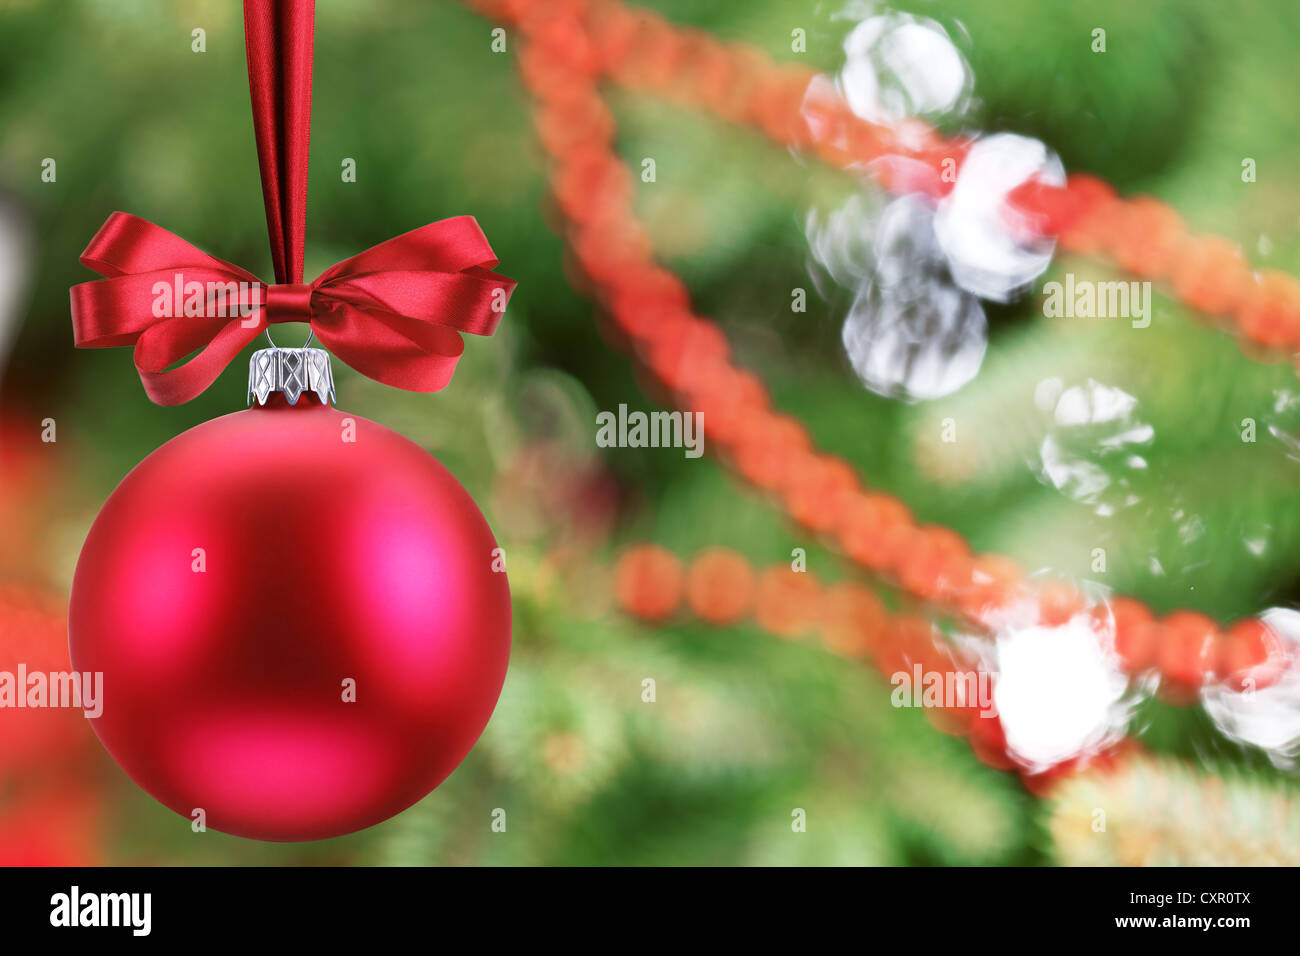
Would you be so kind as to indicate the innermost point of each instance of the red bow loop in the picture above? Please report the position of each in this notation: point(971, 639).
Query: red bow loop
point(394, 312)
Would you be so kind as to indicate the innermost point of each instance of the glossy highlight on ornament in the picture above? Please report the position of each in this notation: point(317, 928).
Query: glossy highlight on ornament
point(297, 619)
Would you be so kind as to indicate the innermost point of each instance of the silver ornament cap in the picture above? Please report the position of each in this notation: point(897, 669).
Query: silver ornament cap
point(291, 372)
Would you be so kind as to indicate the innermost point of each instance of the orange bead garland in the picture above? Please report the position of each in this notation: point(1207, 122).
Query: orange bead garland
point(649, 581)
point(852, 620)
point(573, 43)
point(720, 586)
point(642, 51)
point(787, 601)
point(847, 617)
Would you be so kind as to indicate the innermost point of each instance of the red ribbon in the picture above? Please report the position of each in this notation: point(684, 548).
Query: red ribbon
point(394, 312)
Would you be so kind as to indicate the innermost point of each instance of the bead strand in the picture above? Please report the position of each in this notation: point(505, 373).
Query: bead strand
point(720, 587)
point(570, 44)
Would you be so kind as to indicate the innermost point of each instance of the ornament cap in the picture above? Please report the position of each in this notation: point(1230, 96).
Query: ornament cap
point(292, 372)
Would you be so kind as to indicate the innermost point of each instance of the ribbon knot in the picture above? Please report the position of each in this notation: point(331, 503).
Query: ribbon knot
point(288, 302)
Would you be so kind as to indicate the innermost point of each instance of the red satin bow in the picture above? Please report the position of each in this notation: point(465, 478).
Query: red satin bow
point(394, 312)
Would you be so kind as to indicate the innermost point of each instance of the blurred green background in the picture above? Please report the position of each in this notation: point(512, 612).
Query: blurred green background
point(747, 726)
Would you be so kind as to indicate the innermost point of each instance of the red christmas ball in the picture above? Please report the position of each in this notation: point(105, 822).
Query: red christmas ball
point(300, 618)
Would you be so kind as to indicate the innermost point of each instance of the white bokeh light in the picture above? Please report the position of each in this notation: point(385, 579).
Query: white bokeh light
point(910, 331)
point(1090, 450)
point(1060, 692)
point(899, 66)
point(993, 251)
point(1265, 717)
